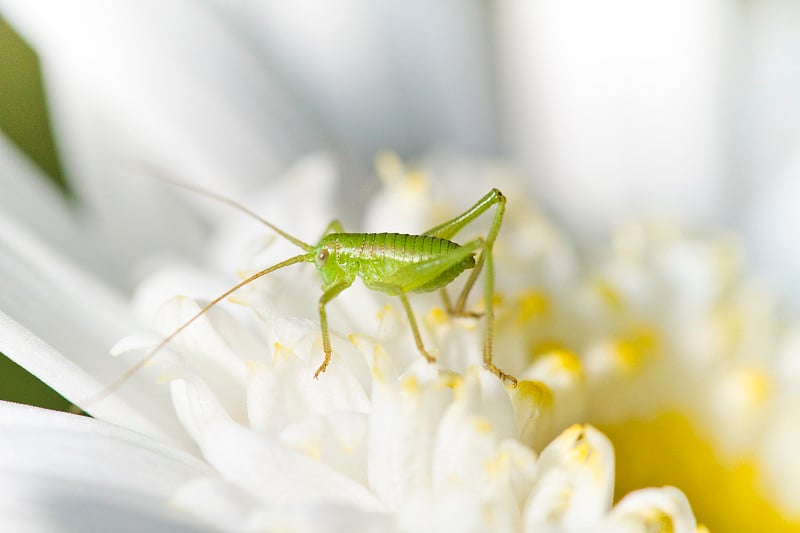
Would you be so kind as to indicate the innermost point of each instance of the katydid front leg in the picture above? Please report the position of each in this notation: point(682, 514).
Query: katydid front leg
point(326, 297)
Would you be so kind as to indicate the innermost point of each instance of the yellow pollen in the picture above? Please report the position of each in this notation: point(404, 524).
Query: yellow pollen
point(497, 300)
point(253, 366)
point(533, 393)
point(568, 361)
point(755, 384)
point(497, 465)
point(728, 325)
point(581, 452)
point(659, 521)
point(482, 425)
point(379, 354)
point(544, 347)
point(382, 313)
point(449, 379)
point(609, 295)
point(417, 182)
point(354, 339)
point(410, 385)
point(533, 304)
point(725, 254)
point(645, 337)
point(313, 451)
point(437, 316)
point(389, 167)
point(726, 494)
point(573, 433)
point(280, 352)
point(458, 389)
point(626, 354)
point(632, 351)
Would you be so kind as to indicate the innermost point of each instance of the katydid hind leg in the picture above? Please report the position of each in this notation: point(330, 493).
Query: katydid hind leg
point(334, 226)
point(450, 309)
point(448, 230)
point(412, 277)
point(488, 343)
point(488, 246)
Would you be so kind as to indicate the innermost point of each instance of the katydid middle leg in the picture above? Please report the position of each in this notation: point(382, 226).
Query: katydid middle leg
point(418, 275)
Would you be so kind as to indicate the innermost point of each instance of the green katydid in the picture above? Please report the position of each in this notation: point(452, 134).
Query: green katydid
point(393, 263)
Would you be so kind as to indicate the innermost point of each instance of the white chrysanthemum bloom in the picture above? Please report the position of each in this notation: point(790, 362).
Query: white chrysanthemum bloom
point(661, 344)
point(383, 440)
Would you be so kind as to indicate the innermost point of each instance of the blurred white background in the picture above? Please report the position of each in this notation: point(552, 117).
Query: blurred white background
point(612, 109)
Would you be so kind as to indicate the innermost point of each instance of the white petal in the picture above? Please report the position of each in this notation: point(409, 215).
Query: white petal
point(405, 415)
point(780, 459)
point(339, 440)
point(357, 68)
point(772, 211)
point(142, 84)
point(42, 504)
point(31, 198)
point(155, 73)
point(230, 509)
point(586, 131)
point(575, 482)
point(215, 502)
point(263, 466)
point(50, 308)
point(74, 470)
point(557, 393)
point(323, 518)
point(69, 446)
point(300, 202)
point(275, 473)
point(663, 509)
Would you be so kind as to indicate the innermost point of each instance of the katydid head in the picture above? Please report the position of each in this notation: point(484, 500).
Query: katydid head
point(327, 261)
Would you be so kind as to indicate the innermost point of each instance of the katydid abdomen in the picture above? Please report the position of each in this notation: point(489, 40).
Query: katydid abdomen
point(380, 257)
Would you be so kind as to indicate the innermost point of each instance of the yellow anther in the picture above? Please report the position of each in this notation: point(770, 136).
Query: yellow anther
point(533, 304)
point(384, 310)
point(609, 294)
point(417, 182)
point(496, 466)
point(410, 385)
point(389, 167)
point(482, 425)
point(534, 393)
point(254, 366)
point(568, 361)
point(755, 383)
point(658, 520)
point(450, 379)
point(437, 316)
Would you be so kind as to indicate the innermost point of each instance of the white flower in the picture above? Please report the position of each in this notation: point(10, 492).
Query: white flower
point(659, 339)
point(382, 440)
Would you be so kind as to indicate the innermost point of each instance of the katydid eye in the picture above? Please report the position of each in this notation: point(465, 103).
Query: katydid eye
point(322, 256)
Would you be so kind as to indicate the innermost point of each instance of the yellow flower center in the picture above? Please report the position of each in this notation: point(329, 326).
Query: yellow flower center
point(669, 450)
